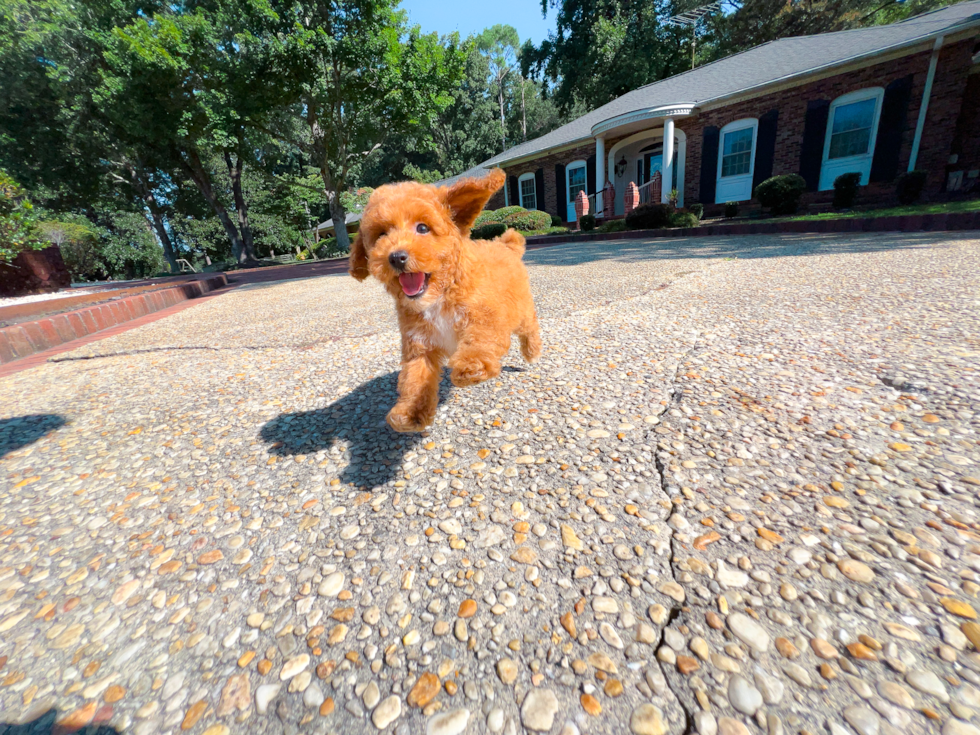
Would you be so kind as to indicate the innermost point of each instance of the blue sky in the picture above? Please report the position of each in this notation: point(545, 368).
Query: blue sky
point(472, 16)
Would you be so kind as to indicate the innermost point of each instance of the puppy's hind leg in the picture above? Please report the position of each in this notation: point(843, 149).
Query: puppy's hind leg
point(530, 336)
point(418, 393)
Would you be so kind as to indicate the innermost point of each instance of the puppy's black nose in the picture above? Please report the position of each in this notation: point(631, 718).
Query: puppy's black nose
point(398, 259)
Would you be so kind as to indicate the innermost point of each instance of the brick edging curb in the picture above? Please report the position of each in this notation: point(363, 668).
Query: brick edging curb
point(902, 223)
point(27, 338)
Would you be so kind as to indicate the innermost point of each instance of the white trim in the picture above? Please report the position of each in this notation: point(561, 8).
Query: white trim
point(522, 178)
point(831, 169)
point(733, 188)
point(600, 175)
point(569, 202)
point(667, 167)
point(924, 107)
point(680, 139)
point(678, 109)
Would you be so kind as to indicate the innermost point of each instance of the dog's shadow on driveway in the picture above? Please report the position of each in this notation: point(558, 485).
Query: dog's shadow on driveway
point(358, 420)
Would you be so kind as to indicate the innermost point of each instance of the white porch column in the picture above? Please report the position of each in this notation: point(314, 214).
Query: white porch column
point(600, 172)
point(667, 170)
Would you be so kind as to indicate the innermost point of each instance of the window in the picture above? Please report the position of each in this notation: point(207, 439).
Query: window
point(575, 181)
point(852, 127)
point(529, 195)
point(851, 132)
point(736, 161)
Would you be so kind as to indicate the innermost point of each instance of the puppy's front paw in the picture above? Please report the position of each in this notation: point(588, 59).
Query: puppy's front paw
point(407, 421)
point(472, 371)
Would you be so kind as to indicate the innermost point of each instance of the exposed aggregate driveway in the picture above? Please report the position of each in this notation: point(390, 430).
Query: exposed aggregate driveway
point(737, 495)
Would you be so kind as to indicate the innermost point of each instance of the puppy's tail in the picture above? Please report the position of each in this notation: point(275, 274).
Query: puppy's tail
point(513, 241)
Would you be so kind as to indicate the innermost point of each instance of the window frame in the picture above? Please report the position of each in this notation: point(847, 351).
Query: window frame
point(738, 181)
point(534, 189)
point(569, 200)
point(831, 168)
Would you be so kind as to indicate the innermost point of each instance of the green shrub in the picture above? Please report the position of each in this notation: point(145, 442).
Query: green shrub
point(697, 210)
point(649, 217)
point(526, 221)
point(731, 210)
point(846, 190)
point(781, 194)
point(910, 186)
point(488, 216)
point(488, 231)
point(557, 221)
point(613, 225)
point(587, 222)
point(684, 219)
point(18, 222)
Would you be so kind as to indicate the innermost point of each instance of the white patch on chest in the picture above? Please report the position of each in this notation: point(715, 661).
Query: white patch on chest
point(441, 332)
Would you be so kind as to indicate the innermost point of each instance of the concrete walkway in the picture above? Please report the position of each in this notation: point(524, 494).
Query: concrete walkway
point(738, 494)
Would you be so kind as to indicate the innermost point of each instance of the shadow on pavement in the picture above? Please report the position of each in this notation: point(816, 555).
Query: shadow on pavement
point(20, 431)
point(47, 723)
point(358, 420)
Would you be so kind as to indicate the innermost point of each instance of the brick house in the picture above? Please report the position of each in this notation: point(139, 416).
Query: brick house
point(879, 101)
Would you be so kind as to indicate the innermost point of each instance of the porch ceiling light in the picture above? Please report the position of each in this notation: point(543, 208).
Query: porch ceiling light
point(621, 167)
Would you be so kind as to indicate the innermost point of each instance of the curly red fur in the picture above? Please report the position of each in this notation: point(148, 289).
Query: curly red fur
point(476, 293)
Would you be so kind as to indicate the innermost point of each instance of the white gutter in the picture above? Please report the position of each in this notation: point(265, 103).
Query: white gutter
point(924, 106)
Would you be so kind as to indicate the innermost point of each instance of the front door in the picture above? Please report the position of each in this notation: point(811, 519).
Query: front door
point(576, 182)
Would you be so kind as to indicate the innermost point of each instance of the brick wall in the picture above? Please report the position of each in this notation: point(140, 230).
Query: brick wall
point(942, 123)
point(966, 143)
point(948, 90)
point(548, 164)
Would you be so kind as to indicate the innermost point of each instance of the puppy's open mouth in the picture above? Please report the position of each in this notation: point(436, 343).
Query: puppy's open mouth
point(414, 284)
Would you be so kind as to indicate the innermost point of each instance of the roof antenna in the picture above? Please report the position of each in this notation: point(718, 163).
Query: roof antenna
point(691, 18)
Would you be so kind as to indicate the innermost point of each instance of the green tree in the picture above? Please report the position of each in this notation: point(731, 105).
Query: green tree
point(501, 46)
point(359, 78)
point(601, 49)
point(187, 83)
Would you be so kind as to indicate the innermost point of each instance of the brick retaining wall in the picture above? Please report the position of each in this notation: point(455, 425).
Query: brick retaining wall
point(27, 338)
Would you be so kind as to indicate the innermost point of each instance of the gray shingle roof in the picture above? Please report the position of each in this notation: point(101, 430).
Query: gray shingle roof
point(766, 64)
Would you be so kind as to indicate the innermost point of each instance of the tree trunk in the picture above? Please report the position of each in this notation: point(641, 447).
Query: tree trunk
point(145, 191)
point(339, 217)
point(503, 125)
point(241, 206)
point(168, 247)
point(523, 113)
point(195, 170)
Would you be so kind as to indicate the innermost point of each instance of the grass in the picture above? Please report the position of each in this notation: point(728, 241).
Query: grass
point(971, 205)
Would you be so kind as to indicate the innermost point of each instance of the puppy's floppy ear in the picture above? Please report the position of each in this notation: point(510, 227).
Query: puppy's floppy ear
point(358, 259)
point(467, 197)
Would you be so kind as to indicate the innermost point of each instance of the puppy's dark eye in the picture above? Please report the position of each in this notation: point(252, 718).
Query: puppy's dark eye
point(422, 229)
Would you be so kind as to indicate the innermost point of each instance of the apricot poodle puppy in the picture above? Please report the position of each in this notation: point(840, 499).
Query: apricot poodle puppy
point(457, 299)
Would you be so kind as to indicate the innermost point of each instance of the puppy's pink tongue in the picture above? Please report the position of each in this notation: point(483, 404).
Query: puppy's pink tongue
point(412, 283)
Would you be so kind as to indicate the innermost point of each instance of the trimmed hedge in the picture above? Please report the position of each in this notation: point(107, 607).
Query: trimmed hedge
point(910, 186)
point(731, 210)
point(613, 225)
point(557, 221)
point(587, 223)
point(781, 194)
point(684, 219)
point(846, 190)
point(488, 231)
point(527, 220)
point(697, 210)
point(649, 217)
